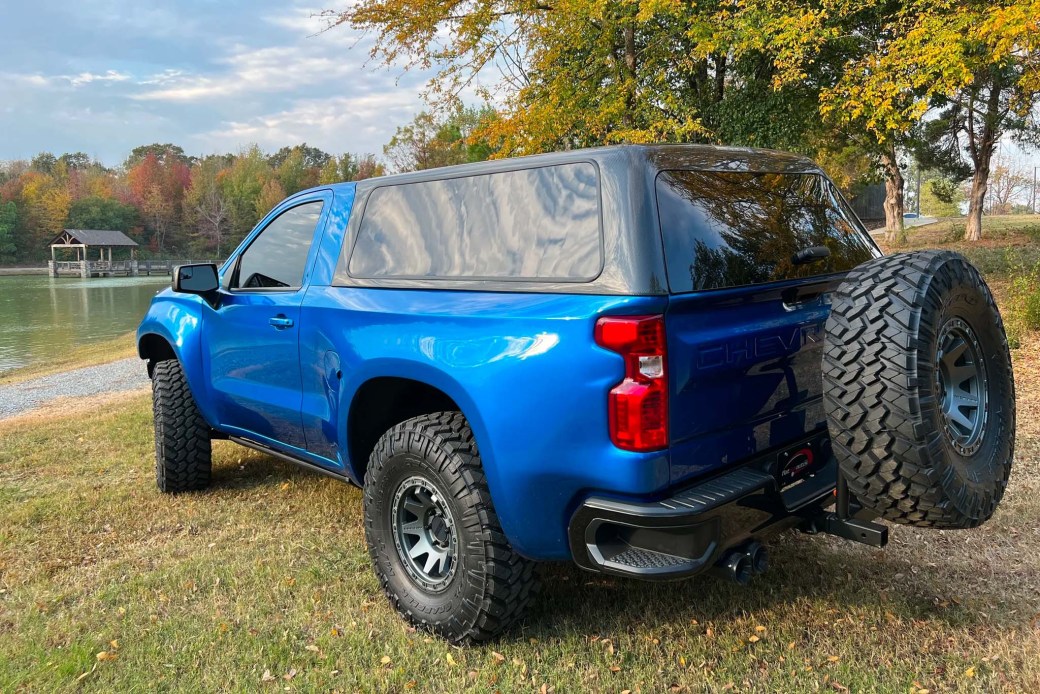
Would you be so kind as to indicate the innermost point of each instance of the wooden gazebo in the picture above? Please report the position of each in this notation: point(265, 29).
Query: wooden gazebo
point(82, 241)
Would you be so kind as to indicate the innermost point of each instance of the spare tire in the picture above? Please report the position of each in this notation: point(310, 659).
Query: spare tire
point(919, 390)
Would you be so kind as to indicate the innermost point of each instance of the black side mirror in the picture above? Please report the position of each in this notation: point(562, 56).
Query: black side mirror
point(197, 279)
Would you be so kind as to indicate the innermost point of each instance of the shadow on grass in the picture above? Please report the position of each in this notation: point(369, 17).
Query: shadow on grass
point(808, 573)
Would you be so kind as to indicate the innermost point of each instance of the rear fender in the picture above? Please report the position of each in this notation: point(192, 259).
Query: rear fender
point(423, 373)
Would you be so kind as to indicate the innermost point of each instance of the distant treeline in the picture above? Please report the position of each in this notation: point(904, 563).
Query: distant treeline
point(173, 203)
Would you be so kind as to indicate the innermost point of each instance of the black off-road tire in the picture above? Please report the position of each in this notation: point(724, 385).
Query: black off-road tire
point(888, 389)
point(491, 585)
point(183, 458)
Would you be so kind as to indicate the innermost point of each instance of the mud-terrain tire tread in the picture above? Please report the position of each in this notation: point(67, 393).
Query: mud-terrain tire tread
point(504, 584)
point(183, 451)
point(881, 410)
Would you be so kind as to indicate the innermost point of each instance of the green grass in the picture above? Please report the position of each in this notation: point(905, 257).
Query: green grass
point(267, 572)
point(1007, 242)
point(84, 355)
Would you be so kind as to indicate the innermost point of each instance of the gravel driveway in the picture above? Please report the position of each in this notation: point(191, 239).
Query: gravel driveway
point(125, 374)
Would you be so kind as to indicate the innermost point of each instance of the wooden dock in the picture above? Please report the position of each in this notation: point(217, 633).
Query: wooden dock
point(115, 268)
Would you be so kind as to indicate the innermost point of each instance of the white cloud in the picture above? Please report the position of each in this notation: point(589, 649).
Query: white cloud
point(344, 123)
point(252, 70)
point(88, 77)
point(165, 77)
point(32, 80)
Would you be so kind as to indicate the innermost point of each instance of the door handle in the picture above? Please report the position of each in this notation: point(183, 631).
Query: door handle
point(281, 322)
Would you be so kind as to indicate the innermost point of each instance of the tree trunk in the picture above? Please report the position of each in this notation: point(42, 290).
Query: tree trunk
point(981, 143)
point(630, 74)
point(895, 232)
point(976, 201)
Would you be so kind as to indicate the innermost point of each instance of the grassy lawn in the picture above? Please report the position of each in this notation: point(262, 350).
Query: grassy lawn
point(83, 355)
point(263, 583)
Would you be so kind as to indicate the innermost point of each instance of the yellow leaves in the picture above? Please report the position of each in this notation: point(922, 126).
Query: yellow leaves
point(450, 660)
point(969, 673)
point(106, 655)
point(385, 661)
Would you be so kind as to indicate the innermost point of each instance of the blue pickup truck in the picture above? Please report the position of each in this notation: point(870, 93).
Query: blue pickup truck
point(642, 359)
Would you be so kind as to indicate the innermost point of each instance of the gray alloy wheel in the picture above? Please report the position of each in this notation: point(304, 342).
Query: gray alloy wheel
point(424, 533)
point(961, 385)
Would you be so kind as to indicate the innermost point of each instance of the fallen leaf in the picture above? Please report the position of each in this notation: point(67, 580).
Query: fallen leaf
point(833, 658)
point(760, 628)
point(385, 660)
point(106, 655)
point(311, 647)
point(410, 684)
point(289, 675)
point(753, 638)
point(114, 643)
point(267, 676)
point(615, 668)
point(87, 673)
point(499, 658)
point(970, 672)
point(450, 660)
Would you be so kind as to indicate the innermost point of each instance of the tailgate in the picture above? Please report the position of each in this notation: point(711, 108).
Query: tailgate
point(744, 371)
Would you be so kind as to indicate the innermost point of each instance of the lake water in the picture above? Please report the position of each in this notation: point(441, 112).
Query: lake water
point(42, 316)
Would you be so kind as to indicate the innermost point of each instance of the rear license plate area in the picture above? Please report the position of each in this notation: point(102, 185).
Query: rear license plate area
point(799, 463)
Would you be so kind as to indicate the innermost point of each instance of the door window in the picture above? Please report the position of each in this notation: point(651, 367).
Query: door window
point(276, 259)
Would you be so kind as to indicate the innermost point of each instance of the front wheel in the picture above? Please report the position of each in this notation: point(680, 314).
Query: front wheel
point(183, 455)
point(433, 535)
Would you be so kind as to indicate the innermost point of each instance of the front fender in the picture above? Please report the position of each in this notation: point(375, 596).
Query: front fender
point(177, 318)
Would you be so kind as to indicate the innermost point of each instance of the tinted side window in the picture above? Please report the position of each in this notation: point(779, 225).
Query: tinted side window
point(276, 258)
point(726, 229)
point(539, 223)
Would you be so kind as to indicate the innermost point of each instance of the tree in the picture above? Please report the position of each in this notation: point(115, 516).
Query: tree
point(162, 152)
point(75, 160)
point(977, 62)
point(313, 158)
point(43, 162)
point(157, 185)
point(241, 186)
point(584, 73)
point(294, 174)
point(95, 212)
point(1009, 183)
point(270, 195)
point(350, 167)
point(8, 226)
point(205, 208)
point(427, 142)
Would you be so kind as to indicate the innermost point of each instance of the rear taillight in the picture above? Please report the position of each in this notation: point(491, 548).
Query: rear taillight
point(638, 406)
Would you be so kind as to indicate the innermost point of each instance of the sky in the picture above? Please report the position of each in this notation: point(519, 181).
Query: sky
point(103, 76)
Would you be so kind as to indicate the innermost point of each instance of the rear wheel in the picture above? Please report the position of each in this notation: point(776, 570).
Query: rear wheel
point(433, 535)
point(183, 456)
point(919, 390)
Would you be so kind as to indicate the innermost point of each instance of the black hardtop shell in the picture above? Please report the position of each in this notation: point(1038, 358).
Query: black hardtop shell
point(633, 260)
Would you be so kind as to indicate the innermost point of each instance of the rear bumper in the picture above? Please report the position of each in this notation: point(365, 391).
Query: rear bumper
point(690, 530)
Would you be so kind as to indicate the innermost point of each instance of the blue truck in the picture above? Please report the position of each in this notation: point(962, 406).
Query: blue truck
point(642, 359)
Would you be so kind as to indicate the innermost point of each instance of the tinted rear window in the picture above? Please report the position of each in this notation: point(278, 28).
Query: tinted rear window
point(727, 229)
point(541, 223)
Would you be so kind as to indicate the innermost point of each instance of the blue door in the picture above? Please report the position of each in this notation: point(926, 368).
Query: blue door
point(252, 337)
